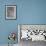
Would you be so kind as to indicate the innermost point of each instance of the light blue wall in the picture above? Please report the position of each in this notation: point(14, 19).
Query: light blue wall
point(28, 12)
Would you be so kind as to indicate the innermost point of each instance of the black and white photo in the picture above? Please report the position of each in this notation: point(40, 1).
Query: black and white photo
point(10, 11)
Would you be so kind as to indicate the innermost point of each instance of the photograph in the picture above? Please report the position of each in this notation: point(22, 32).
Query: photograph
point(10, 11)
point(30, 33)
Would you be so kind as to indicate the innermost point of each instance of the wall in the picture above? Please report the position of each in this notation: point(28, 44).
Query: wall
point(28, 12)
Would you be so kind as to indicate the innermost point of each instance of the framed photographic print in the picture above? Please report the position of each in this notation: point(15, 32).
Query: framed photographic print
point(10, 12)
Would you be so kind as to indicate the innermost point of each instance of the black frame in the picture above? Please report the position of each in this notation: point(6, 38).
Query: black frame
point(6, 12)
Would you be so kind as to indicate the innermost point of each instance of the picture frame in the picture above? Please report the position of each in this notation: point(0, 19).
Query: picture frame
point(41, 28)
point(10, 12)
